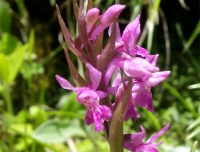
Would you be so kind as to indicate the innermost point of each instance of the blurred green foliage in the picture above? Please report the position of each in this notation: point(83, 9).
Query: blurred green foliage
point(37, 115)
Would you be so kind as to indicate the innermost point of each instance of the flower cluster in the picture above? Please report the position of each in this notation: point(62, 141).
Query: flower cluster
point(112, 69)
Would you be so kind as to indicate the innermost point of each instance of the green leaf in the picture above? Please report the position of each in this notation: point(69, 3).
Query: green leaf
point(15, 61)
point(6, 41)
point(55, 131)
point(22, 127)
point(3, 68)
point(195, 123)
point(194, 133)
point(24, 135)
point(68, 103)
point(5, 17)
point(23, 143)
point(116, 125)
point(33, 68)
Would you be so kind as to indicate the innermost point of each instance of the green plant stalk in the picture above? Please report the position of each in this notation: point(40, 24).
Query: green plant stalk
point(25, 117)
point(10, 141)
point(116, 145)
point(7, 97)
point(116, 137)
point(33, 147)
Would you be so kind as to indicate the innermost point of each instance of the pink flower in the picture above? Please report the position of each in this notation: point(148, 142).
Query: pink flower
point(90, 97)
point(127, 42)
point(134, 142)
point(141, 90)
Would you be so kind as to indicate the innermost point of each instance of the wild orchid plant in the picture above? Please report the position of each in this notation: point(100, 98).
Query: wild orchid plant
point(120, 68)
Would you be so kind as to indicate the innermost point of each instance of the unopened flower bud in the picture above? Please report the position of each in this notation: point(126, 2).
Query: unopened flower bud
point(92, 16)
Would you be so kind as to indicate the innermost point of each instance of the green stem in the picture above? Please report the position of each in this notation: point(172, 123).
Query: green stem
point(8, 100)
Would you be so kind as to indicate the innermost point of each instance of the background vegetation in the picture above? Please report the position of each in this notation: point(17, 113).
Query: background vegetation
point(37, 115)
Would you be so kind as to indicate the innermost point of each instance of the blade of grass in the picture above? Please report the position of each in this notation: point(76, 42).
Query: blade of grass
point(194, 146)
point(193, 36)
point(174, 92)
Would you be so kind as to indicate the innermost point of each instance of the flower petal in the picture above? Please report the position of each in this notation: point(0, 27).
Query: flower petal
point(138, 67)
point(89, 117)
point(88, 97)
point(117, 81)
point(134, 69)
point(95, 76)
point(131, 33)
point(156, 78)
point(152, 59)
point(101, 94)
point(137, 138)
point(138, 50)
point(64, 83)
point(112, 90)
point(131, 112)
point(129, 146)
point(144, 99)
point(146, 148)
point(109, 73)
point(157, 135)
point(97, 114)
point(106, 113)
point(118, 33)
